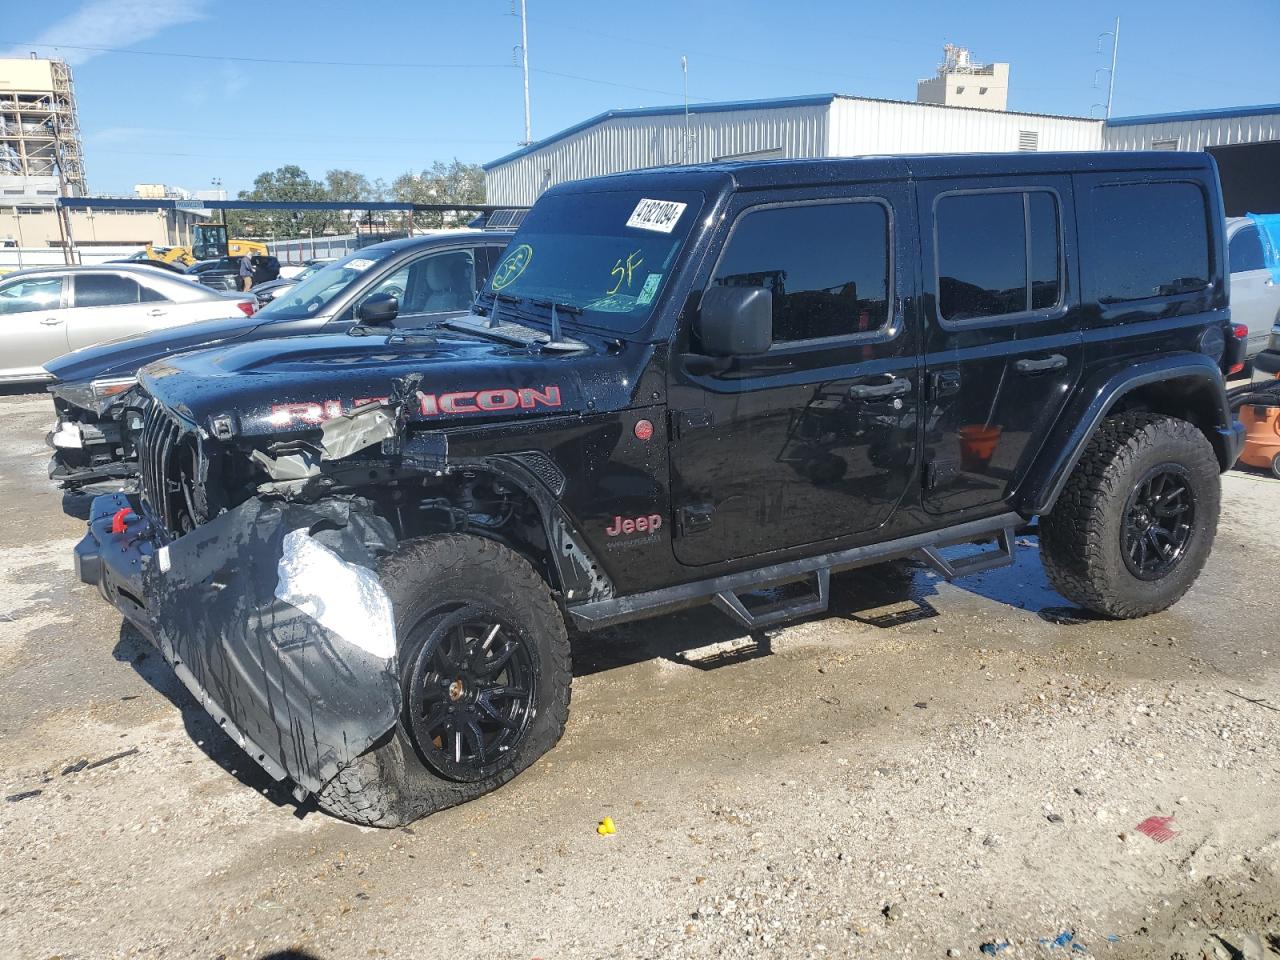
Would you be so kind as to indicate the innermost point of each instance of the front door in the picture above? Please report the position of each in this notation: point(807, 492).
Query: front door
point(1003, 331)
point(814, 440)
point(33, 323)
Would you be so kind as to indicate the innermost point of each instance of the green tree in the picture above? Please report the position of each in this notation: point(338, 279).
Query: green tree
point(287, 183)
point(453, 182)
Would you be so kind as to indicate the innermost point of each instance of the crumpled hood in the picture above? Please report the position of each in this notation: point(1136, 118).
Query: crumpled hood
point(276, 386)
point(122, 358)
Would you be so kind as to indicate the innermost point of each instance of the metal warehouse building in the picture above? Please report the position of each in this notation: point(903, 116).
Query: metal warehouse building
point(831, 125)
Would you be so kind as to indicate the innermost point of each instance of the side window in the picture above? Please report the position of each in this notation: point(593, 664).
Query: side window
point(435, 283)
point(105, 290)
point(998, 253)
point(826, 264)
point(147, 295)
point(1245, 251)
point(1150, 240)
point(34, 293)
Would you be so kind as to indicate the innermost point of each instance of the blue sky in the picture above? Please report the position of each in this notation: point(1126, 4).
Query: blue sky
point(413, 81)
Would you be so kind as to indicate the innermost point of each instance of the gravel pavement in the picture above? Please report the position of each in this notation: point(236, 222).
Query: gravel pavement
point(929, 770)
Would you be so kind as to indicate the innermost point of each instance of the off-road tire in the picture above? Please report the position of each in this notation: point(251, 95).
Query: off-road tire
point(1081, 538)
point(429, 581)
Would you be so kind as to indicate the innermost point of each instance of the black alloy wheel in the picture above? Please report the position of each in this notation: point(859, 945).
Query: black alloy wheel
point(1159, 521)
point(471, 695)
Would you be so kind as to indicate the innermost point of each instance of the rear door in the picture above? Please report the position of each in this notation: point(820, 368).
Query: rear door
point(1004, 342)
point(33, 324)
point(814, 440)
point(1255, 298)
point(108, 306)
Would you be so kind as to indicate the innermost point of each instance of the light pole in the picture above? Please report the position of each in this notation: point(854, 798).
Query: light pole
point(1111, 71)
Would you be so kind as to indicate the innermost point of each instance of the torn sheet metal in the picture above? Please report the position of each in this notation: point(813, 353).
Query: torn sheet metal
point(308, 682)
point(344, 598)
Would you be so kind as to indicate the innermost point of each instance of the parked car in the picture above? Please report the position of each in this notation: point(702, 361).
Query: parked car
point(293, 271)
point(51, 310)
point(91, 388)
point(1255, 295)
point(360, 550)
point(266, 292)
point(224, 272)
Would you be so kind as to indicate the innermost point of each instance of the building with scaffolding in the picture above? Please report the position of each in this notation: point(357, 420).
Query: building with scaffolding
point(40, 150)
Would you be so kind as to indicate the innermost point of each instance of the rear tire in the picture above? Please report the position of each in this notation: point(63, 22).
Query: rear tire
point(1132, 529)
point(462, 731)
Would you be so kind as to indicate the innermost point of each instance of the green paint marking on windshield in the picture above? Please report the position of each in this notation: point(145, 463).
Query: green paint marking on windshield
point(624, 270)
point(512, 265)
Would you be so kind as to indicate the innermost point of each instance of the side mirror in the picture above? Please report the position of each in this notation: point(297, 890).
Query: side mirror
point(735, 321)
point(378, 309)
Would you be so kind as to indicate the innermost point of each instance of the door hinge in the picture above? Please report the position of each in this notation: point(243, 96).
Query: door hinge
point(939, 473)
point(694, 518)
point(684, 422)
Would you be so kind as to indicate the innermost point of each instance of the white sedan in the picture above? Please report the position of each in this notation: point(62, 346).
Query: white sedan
point(48, 311)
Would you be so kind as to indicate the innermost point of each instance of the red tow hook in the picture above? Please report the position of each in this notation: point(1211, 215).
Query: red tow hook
point(120, 520)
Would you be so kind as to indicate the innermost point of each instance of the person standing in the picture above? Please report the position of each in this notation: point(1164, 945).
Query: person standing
point(246, 272)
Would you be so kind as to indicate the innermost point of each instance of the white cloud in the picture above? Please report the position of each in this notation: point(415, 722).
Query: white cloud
point(109, 23)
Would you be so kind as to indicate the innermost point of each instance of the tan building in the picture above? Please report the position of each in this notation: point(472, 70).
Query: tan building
point(962, 82)
point(40, 151)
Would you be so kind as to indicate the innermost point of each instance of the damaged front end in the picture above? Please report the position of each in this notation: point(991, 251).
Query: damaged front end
point(93, 438)
point(270, 611)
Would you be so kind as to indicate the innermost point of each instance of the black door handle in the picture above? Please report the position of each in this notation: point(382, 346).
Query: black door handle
point(892, 388)
point(1055, 361)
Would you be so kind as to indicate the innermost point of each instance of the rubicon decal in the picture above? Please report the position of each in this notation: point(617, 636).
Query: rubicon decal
point(624, 525)
point(314, 413)
point(487, 401)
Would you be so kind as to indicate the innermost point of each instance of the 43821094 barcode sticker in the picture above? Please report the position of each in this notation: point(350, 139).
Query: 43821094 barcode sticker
point(658, 215)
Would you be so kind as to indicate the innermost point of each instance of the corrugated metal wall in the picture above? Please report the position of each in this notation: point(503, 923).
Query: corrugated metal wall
point(1193, 134)
point(629, 143)
point(877, 126)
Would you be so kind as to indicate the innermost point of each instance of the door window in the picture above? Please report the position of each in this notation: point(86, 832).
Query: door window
point(1245, 251)
point(106, 290)
point(436, 283)
point(998, 253)
point(34, 293)
point(1150, 240)
point(826, 264)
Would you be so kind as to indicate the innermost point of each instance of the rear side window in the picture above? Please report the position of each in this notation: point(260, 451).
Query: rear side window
point(1245, 251)
point(998, 253)
point(826, 264)
point(1150, 240)
point(106, 290)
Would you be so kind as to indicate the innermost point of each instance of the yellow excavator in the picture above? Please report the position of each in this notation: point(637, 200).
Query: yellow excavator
point(208, 242)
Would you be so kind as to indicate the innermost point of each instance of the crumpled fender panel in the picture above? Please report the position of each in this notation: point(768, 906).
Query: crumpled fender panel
point(303, 698)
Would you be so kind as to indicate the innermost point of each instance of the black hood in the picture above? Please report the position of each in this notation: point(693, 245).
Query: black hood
point(122, 358)
point(274, 386)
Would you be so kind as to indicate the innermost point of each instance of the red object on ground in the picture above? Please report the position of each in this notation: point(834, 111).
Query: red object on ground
point(120, 520)
point(1157, 828)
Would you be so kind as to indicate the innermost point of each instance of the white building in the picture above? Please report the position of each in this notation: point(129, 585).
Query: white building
point(960, 81)
point(1244, 140)
point(828, 125)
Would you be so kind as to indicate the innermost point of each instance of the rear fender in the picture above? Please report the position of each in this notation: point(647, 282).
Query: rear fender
point(1184, 385)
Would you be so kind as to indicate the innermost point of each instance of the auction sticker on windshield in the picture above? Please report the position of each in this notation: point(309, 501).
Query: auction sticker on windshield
point(660, 216)
point(649, 289)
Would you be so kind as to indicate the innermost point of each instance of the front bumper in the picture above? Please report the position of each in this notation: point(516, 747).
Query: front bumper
point(301, 692)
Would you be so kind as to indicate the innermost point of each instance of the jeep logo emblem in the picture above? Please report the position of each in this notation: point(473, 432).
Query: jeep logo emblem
point(624, 525)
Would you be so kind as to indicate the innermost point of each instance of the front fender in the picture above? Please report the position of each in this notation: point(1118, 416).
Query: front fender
point(1188, 385)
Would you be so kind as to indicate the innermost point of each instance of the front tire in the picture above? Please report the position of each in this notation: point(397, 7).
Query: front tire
point(485, 677)
point(1133, 527)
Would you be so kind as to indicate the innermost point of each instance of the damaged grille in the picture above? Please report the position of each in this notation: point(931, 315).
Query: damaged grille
point(161, 433)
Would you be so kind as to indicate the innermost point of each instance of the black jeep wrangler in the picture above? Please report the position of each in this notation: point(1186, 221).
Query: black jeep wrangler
point(362, 551)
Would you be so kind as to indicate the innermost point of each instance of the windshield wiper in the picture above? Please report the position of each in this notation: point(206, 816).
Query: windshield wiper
point(557, 341)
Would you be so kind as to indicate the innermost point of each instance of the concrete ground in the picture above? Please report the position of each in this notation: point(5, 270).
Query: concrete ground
point(929, 770)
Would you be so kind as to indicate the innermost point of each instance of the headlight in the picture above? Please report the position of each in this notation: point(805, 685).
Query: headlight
point(104, 389)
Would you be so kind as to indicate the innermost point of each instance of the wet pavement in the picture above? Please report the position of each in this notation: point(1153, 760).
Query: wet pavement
point(929, 767)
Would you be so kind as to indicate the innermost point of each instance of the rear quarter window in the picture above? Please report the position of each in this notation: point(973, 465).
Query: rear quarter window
point(1149, 240)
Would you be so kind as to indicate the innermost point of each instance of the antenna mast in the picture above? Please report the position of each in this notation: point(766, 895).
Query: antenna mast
point(524, 67)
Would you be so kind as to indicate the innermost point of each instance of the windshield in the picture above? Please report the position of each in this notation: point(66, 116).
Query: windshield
point(312, 295)
point(605, 254)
